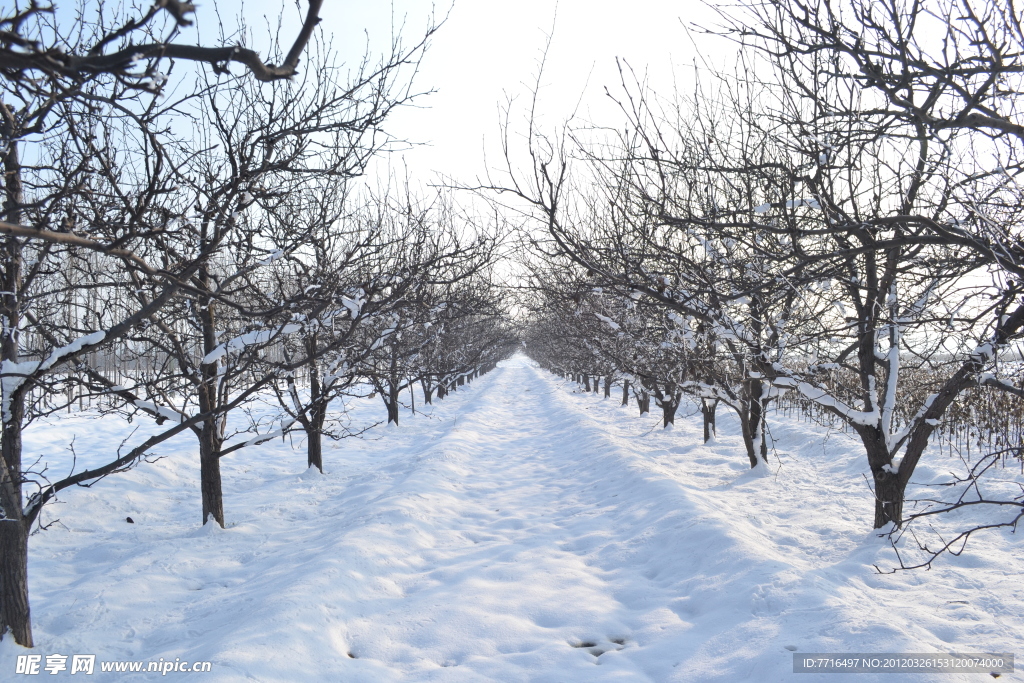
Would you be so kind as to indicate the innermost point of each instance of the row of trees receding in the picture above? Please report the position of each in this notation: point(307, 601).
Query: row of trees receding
point(837, 221)
point(191, 249)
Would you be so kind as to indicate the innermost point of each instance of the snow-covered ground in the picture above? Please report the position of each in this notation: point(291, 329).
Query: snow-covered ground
point(516, 531)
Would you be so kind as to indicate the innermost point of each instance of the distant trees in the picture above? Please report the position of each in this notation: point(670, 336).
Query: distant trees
point(438, 255)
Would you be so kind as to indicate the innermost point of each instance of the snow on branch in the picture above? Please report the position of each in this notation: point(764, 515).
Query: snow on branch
point(249, 339)
point(822, 398)
point(608, 321)
point(14, 375)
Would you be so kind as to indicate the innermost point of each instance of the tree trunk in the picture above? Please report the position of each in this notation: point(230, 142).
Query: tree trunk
point(708, 411)
point(314, 436)
point(625, 392)
point(317, 412)
point(890, 487)
point(210, 443)
point(14, 610)
point(391, 402)
point(607, 386)
point(668, 410)
point(14, 605)
point(428, 389)
point(315, 449)
point(461, 380)
point(643, 402)
point(889, 493)
point(748, 435)
point(752, 412)
point(586, 383)
point(211, 438)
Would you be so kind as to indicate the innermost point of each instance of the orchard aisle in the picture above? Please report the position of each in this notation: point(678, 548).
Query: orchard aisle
point(516, 531)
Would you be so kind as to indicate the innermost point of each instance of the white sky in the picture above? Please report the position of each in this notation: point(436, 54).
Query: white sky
point(488, 51)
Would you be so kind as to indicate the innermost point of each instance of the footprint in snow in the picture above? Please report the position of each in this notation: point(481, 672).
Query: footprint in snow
point(597, 650)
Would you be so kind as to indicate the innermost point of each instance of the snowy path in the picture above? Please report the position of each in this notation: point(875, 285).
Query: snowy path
point(498, 528)
point(503, 565)
point(516, 531)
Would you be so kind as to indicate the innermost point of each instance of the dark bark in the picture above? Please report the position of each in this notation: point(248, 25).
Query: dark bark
point(752, 421)
point(643, 402)
point(748, 435)
point(391, 402)
point(315, 449)
point(667, 400)
point(889, 494)
point(607, 386)
point(586, 383)
point(210, 443)
point(708, 409)
point(211, 438)
point(14, 609)
point(314, 435)
point(625, 392)
point(428, 390)
point(14, 605)
point(55, 62)
point(668, 412)
point(314, 424)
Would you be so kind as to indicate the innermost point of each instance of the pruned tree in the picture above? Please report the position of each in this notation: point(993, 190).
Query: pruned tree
point(947, 74)
point(130, 46)
point(816, 236)
point(164, 225)
point(438, 252)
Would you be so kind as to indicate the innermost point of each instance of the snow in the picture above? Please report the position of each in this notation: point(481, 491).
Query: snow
point(275, 255)
point(515, 531)
point(249, 339)
point(809, 202)
point(353, 305)
point(162, 411)
point(607, 321)
point(822, 398)
point(983, 352)
point(13, 375)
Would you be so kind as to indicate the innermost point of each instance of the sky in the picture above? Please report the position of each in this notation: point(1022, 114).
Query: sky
point(489, 52)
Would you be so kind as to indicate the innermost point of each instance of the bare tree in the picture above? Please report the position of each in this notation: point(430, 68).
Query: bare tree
point(160, 219)
point(946, 73)
point(70, 203)
point(441, 250)
point(812, 235)
point(33, 45)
